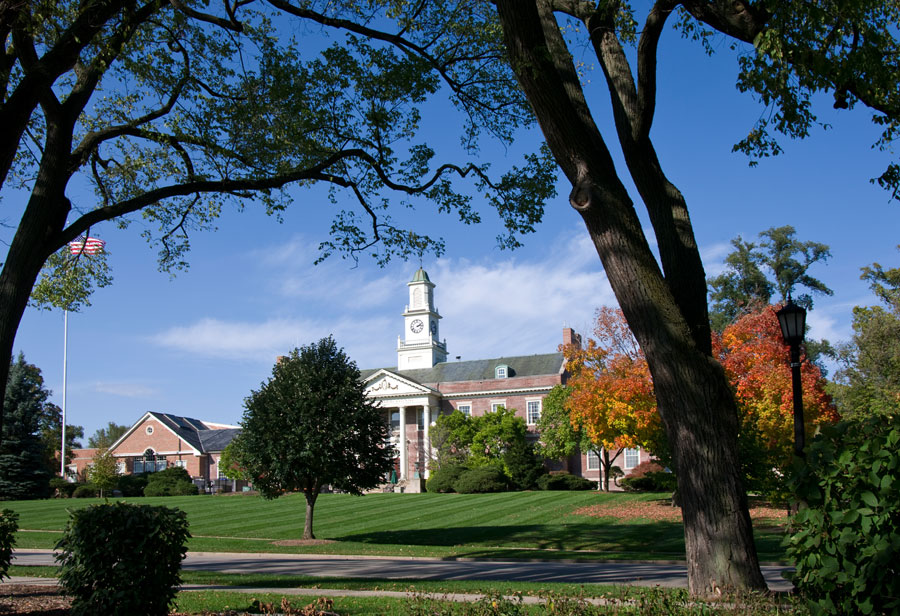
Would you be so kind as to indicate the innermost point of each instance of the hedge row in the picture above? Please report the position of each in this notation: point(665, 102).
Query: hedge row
point(173, 481)
point(482, 479)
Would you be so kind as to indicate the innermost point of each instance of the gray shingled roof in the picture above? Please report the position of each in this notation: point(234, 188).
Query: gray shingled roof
point(480, 369)
point(195, 433)
point(217, 440)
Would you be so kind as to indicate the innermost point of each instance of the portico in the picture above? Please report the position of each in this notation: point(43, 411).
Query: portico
point(411, 409)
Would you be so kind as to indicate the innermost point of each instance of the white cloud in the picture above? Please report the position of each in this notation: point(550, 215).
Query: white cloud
point(126, 390)
point(262, 342)
point(490, 308)
point(294, 277)
point(511, 307)
point(713, 257)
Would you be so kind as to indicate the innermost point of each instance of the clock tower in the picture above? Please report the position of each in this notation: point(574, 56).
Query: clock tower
point(420, 346)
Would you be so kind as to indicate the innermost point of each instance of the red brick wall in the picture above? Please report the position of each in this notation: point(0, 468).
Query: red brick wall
point(164, 442)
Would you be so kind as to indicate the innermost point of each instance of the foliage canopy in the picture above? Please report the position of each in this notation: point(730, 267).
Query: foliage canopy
point(868, 381)
point(311, 425)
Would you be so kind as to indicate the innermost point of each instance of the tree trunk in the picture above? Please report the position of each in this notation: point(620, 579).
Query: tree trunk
point(607, 465)
point(311, 493)
point(694, 398)
point(33, 242)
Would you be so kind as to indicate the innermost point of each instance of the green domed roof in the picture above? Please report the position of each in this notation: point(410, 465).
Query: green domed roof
point(420, 276)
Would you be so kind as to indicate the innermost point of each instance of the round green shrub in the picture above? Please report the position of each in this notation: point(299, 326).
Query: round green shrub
point(170, 488)
point(56, 485)
point(132, 485)
point(64, 488)
point(122, 559)
point(482, 479)
point(184, 488)
point(846, 532)
point(85, 490)
point(565, 481)
point(442, 479)
point(170, 474)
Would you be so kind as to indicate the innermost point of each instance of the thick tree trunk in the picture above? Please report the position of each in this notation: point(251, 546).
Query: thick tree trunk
point(311, 493)
point(37, 236)
point(693, 395)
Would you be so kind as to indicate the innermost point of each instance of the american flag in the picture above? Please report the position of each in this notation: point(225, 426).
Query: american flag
point(86, 245)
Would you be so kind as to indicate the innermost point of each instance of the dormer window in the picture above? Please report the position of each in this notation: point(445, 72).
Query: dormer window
point(501, 371)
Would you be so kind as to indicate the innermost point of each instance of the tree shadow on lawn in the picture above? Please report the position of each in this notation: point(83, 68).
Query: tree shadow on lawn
point(660, 538)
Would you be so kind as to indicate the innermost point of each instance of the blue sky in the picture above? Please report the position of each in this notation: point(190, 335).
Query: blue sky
point(196, 345)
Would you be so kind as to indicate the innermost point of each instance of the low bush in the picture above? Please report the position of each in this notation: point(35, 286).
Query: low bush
point(443, 478)
point(653, 481)
point(85, 490)
point(482, 479)
point(9, 524)
point(170, 488)
point(565, 481)
point(63, 488)
point(173, 481)
point(171, 475)
point(846, 533)
point(643, 468)
point(122, 559)
point(132, 485)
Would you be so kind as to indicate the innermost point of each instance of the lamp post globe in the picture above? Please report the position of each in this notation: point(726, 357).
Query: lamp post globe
point(792, 319)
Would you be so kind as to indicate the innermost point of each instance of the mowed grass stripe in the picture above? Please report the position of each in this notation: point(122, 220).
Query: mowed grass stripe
point(409, 524)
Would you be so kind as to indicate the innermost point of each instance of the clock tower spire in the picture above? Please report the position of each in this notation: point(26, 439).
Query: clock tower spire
point(421, 347)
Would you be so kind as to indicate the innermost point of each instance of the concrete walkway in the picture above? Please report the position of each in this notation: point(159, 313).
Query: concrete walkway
point(656, 573)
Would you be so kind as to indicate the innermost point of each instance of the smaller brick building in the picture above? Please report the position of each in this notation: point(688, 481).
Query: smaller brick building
point(160, 440)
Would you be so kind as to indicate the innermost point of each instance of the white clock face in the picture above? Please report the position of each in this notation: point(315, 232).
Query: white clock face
point(416, 326)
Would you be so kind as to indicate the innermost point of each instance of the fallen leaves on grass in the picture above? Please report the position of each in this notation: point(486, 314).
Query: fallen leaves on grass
point(663, 511)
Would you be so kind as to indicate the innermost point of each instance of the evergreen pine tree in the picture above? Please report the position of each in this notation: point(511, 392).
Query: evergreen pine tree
point(23, 473)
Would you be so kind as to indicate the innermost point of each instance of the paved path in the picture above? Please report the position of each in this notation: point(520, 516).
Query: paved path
point(584, 572)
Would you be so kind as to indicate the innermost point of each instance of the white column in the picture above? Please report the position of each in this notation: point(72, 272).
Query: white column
point(426, 419)
point(402, 444)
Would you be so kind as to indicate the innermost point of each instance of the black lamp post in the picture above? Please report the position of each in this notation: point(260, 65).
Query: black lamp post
point(792, 319)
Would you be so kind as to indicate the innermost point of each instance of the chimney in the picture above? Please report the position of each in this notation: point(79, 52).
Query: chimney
point(570, 337)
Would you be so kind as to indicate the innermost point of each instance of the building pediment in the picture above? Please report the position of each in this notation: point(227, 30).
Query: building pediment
point(387, 384)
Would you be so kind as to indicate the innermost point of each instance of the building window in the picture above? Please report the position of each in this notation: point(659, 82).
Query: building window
point(465, 409)
point(632, 458)
point(180, 464)
point(120, 467)
point(501, 371)
point(149, 463)
point(149, 430)
point(534, 412)
point(593, 461)
point(420, 419)
point(395, 420)
point(497, 405)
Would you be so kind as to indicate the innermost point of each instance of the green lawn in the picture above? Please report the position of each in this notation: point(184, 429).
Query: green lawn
point(507, 525)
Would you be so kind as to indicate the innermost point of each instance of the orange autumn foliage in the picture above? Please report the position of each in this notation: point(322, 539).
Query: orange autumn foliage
point(756, 360)
point(612, 397)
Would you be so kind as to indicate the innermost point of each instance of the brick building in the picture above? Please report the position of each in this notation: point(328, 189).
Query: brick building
point(424, 385)
point(161, 440)
point(413, 394)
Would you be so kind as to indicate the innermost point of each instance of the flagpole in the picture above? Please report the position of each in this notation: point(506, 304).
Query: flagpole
point(88, 246)
point(62, 450)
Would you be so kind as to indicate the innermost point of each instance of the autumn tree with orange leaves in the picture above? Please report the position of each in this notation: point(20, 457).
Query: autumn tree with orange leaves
point(612, 403)
point(611, 399)
point(755, 357)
